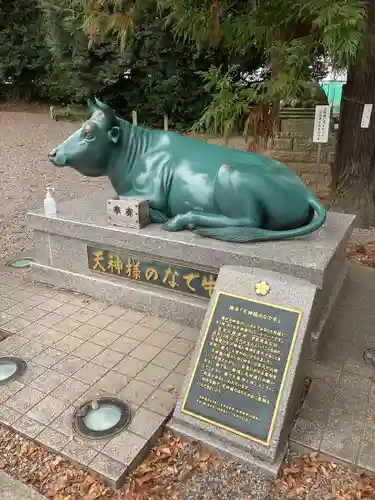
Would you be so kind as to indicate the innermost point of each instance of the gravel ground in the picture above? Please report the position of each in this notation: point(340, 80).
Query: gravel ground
point(25, 140)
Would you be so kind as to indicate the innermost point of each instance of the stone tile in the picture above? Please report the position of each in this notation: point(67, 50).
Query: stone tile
point(28, 426)
point(50, 305)
point(340, 443)
point(105, 338)
point(350, 402)
point(29, 350)
point(49, 357)
point(355, 383)
point(81, 454)
point(35, 300)
point(133, 316)
point(79, 300)
point(97, 306)
point(191, 334)
point(308, 433)
point(161, 402)
point(112, 382)
point(68, 325)
point(145, 352)
point(13, 343)
point(115, 311)
point(153, 374)
point(5, 318)
point(47, 410)
point(183, 367)
point(67, 310)
point(18, 308)
point(136, 391)
point(83, 315)
point(25, 399)
point(85, 331)
point(6, 391)
point(48, 381)
point(139, 333)
point(171, 327)
point(90, 373)
point(168, 359)
point(53, 439)
point(15, 325)
point(180, 346)
point(125, 447)
point(51, 319)
point(69, 365)
point(8, 415)
point(145, 423)
point(33, 371)
point(108, 467)
point(152, 322)
point(124, 345)
point(108, 358)
point(173, 383)
point(70, 390)
point(68, 344)
point(100, 320)
point(366, 458)
point(64, 296)
point(87, 350)
point(95, 444)
point(50, 336)
point(318, 403)
point(330, 374)
point(33, 314)
point(159, 339)
point(63, 423)
point(356, 364)
point(119, 326)
point(32, 331)
point(130, 366)
point(6, 302)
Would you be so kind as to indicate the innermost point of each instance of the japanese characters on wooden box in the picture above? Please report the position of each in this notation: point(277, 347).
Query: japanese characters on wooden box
point(174, 277)
point(241, 367)
point(129, 212)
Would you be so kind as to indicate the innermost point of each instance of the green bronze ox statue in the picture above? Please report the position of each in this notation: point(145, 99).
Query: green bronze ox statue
point(217, 192)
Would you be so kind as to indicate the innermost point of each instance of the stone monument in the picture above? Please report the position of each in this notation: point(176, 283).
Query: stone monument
point(247, 374)
point(228, 195)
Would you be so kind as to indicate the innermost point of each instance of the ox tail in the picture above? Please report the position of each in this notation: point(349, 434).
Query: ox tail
point(238, 234)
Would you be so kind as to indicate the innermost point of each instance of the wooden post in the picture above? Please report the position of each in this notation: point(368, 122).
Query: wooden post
point(135, 118)
point(165, 121)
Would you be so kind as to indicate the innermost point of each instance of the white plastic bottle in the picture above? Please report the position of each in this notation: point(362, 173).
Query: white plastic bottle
point(49, 203)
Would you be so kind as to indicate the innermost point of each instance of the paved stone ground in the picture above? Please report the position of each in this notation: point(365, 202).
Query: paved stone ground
point(338, 416)
point(76, 349)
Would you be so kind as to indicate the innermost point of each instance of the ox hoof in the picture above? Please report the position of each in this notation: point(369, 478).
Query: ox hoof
point(176, 224)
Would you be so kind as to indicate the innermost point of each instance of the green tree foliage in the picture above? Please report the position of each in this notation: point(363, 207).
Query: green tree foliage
point(24, 58)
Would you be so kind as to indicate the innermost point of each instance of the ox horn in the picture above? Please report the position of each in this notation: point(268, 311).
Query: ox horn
point(108, 112)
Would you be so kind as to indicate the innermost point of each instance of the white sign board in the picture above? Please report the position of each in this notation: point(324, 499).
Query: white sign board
point(366, 115)
point(321, 123)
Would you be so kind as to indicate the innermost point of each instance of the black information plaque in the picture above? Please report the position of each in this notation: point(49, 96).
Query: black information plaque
point(244, 357)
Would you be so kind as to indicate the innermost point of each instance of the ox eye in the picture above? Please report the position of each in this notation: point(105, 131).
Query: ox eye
point(89, 136)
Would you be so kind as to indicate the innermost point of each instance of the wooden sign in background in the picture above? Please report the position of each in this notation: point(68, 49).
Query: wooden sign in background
point(240, 371)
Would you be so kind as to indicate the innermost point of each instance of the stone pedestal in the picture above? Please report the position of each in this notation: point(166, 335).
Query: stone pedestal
point(177, 270)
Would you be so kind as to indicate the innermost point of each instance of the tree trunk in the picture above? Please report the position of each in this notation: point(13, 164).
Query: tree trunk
point(353, 174)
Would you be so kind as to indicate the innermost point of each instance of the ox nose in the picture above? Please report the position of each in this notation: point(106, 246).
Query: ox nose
point(52, 153)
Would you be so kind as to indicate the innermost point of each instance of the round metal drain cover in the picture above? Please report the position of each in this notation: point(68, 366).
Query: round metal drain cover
point(11, 368)
point(20, 263)
point(369, 357)
point(102, 418)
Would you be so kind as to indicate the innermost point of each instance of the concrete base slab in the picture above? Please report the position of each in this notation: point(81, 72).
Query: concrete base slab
point(270, 469)
point(11, 489)
point(61, 250)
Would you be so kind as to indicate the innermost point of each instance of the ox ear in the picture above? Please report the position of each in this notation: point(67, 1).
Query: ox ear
point(114, 134)
point(91, 105)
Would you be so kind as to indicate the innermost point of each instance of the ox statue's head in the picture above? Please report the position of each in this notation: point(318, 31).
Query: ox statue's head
point(89, 149)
